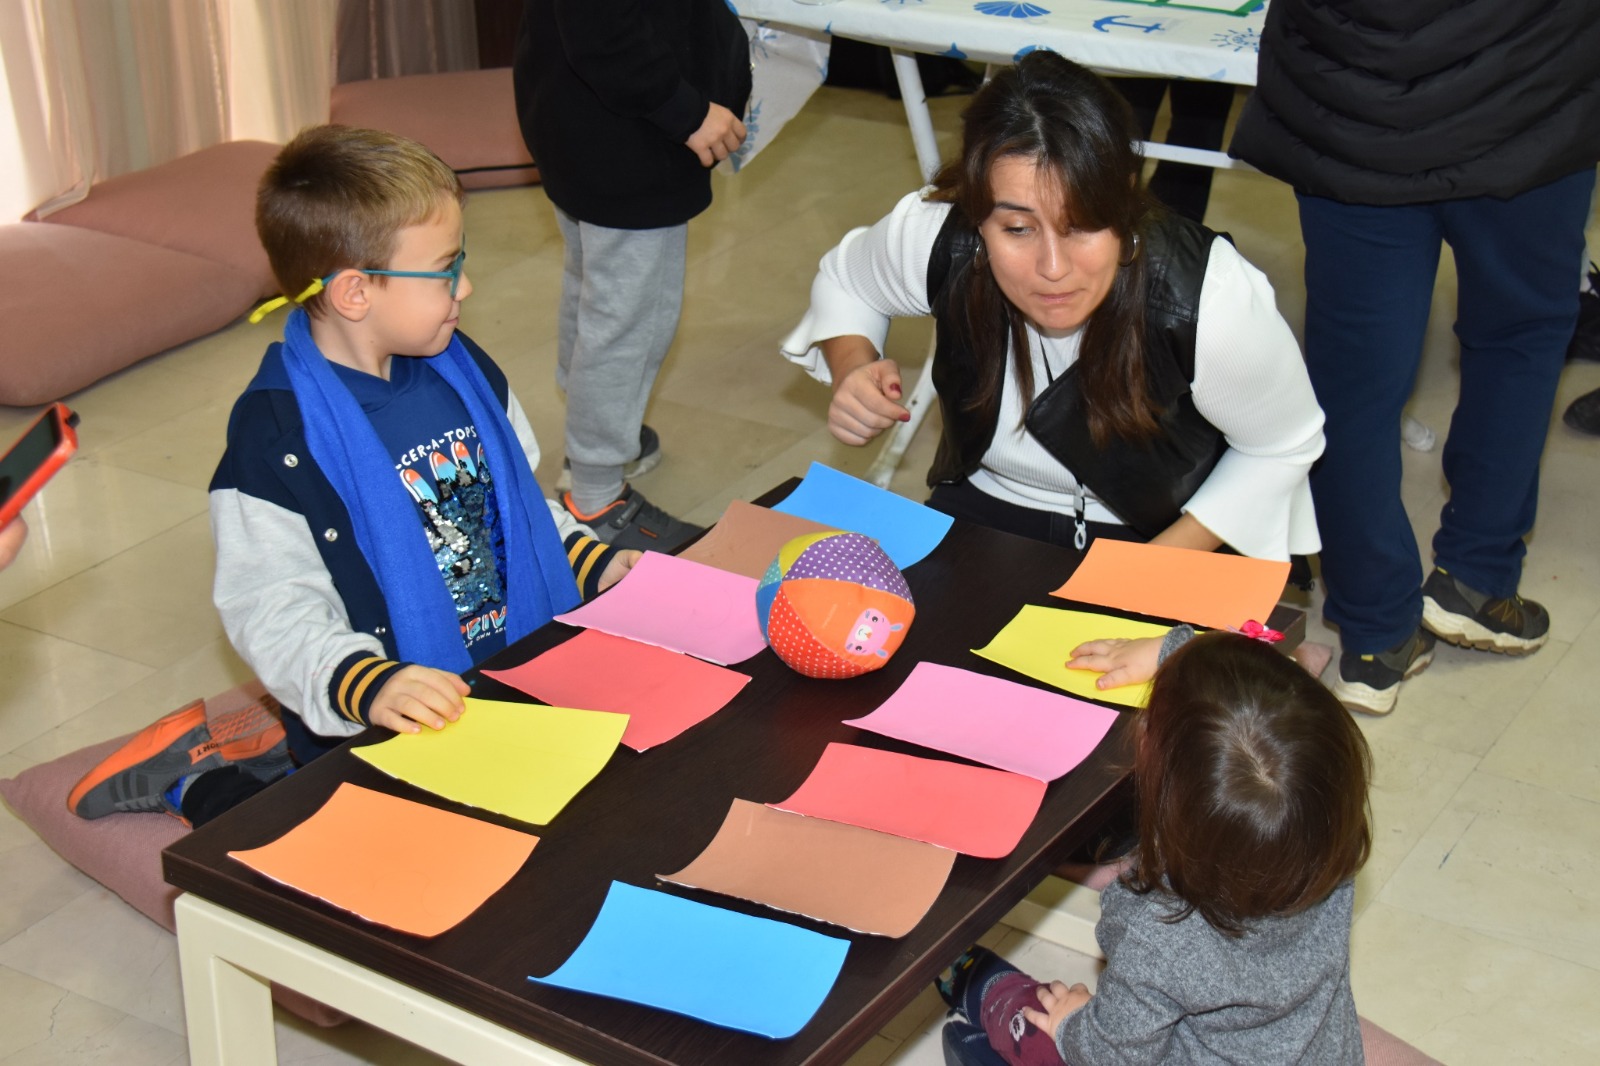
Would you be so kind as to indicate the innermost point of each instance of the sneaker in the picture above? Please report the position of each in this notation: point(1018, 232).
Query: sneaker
point(1471, 619)
point(631, 521)
point(1585, 345)
point(649, 458)
point(952, 983)
point(1583, 414)
point(136, 775)
point(1370, 684)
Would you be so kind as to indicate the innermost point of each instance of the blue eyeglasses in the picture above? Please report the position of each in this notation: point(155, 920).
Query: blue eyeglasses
point(457, 265)
point(453, 273)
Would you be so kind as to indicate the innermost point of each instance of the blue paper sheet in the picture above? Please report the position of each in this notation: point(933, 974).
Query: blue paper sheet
point(906, 530)
point(719, 966)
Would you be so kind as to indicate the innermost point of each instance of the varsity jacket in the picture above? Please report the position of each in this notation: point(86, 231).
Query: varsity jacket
point(1145, 483)
point(297, 598)
point(1383, 103)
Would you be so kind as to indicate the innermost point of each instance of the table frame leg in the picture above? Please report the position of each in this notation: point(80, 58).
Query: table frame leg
point(228, 960)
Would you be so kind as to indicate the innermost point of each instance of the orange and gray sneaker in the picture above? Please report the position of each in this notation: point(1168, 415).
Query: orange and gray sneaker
point(136, 775)
point(631, 521)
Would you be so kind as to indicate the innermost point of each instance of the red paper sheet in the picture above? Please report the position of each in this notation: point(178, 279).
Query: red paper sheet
point(662, 692)
point(970, 809)
point(1205, 588)
point(401, 864)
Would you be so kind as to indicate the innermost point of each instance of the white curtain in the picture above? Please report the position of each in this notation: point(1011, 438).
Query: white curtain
point(96, 88)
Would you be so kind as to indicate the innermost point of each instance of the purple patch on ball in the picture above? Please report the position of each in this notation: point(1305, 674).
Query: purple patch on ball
point(851, 557)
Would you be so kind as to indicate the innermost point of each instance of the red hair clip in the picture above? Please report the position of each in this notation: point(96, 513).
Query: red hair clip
point(1256, 631)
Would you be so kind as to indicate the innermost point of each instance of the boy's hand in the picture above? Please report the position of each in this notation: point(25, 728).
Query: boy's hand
point(719, 136)
point(866, 401)
point(416, 696)
point(1120, 662)
point(1058, 1002)
point(618, 567)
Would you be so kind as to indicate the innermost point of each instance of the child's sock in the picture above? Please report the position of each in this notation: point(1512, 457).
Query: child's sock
point(173, 796)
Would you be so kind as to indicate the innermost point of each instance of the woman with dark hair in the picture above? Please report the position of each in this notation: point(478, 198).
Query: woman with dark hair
point(1103, 367)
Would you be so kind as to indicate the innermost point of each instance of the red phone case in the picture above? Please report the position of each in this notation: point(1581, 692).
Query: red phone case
point(63, 450)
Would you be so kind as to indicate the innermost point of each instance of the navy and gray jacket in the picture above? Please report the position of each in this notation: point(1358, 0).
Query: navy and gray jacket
point(298, 599)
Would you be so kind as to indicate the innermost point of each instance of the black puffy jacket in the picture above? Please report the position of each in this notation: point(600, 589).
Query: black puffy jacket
point(1387, 102)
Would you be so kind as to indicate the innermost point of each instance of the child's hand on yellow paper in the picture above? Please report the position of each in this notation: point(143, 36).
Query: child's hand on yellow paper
point(1119, 661)
point(417, 696)
point(618, 567)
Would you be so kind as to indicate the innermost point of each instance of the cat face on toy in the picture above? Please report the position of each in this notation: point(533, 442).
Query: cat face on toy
point(868, 634)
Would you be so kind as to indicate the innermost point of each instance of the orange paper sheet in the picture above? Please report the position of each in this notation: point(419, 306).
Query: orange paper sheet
point(401, 864)
point(746, 538)
point(1204, 588)
point(867, 881)
point(970, 809)
point(662, 692)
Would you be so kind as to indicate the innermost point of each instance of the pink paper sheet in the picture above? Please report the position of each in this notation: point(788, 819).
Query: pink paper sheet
point(662, 692)
point(999, 723)
point(969, 809)
point(681, 606)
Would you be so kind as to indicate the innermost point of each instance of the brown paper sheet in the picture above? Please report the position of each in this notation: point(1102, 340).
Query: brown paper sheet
point(858, 878)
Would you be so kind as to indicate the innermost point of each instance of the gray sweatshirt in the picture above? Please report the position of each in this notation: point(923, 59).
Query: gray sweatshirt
point(1185, 993)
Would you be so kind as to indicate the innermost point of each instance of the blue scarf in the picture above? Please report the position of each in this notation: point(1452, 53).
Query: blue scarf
point(539, 583)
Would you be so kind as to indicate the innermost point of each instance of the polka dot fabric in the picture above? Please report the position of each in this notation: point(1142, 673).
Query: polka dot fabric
point(833, 605)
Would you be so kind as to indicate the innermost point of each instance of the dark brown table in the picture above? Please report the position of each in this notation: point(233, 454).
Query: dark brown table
point(646, 813)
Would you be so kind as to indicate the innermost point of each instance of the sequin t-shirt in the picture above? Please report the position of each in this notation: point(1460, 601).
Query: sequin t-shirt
point(425, 426)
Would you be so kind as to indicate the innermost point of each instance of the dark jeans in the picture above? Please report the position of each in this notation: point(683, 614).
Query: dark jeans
point(1369, 278)
point(1199, 119)
point(985, 1029)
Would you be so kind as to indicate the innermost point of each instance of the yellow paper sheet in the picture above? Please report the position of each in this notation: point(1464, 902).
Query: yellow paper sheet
point(1039, 641)
point(518, 759)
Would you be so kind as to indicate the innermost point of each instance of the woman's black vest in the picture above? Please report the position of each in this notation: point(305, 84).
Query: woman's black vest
point(1145, 483)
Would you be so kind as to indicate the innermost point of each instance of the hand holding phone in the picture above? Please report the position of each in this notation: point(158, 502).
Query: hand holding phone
point(43, 448)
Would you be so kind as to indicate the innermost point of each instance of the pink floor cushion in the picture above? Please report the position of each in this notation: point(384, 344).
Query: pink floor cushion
point(1383, 1048)
point(122, 851)
point(467, 117)
point(203, 203)
point(79, 304)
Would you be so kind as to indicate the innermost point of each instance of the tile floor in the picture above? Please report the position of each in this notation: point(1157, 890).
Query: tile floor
point(1476, 936)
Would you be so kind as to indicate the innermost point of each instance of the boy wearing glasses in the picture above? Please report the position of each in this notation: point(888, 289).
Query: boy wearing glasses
point(378, 527)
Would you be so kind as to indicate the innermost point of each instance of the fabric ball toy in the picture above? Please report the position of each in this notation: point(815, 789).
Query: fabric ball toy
point(833, 605)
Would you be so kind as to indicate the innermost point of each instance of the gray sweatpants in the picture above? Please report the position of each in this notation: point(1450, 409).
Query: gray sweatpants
point(621, 293)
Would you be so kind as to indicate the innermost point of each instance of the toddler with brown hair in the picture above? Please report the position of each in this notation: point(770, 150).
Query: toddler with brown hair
point(1228, 937)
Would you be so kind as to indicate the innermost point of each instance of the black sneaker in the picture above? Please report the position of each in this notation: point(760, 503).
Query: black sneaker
point(631, 521)
point(1371, 683)
point(1469, 618)
point(649, 458)
point(1585, 346)
point(1583, 414)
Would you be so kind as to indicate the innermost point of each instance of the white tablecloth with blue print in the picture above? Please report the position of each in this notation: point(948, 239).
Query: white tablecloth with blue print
point(1216, 40)
point(1212, 40)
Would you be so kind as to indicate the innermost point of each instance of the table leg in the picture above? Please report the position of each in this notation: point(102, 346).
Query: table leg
point(227, 960)
point(917, 117)
point(228, 1009)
